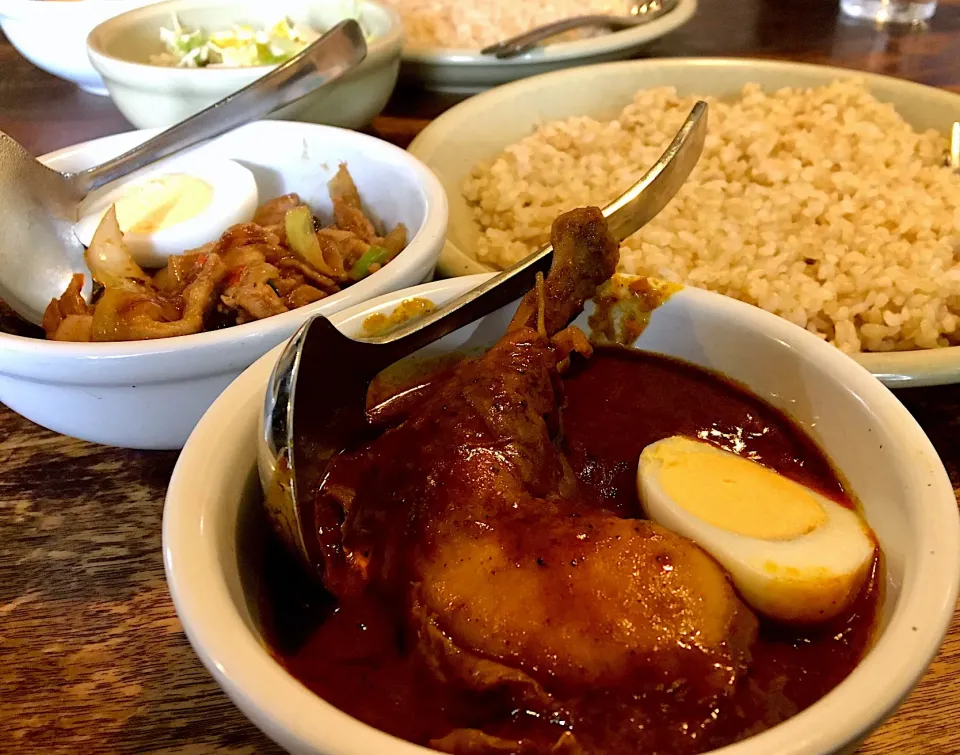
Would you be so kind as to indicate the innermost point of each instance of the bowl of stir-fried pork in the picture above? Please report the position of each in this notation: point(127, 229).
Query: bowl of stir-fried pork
point(342, 218)
point(505, 562)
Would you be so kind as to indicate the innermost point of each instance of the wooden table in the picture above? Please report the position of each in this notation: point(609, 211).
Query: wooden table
point(92, 658)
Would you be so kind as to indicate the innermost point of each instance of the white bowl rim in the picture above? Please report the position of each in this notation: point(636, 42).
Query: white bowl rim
point(380, 46)
point(258, 683)
point(915, 367)
point(515, 89)
point(579, 48)
point(433, 228)
point(16, 10)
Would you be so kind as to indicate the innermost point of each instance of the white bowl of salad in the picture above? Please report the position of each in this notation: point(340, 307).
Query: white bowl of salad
point(53, 35)
point(165, 62)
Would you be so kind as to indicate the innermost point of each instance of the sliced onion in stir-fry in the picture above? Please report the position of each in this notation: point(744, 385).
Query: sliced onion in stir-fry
point(108, 258)
point(342, 188)
point(396, 240)
point(302, 239)
point(302, 236)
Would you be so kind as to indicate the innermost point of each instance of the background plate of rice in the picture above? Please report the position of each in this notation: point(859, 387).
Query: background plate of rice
point(821, 196)
point(443, 38)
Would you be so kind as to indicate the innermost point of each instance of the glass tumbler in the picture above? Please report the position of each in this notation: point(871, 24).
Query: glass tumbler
point(890, 11)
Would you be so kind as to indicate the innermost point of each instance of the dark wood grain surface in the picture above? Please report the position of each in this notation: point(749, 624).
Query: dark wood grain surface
point(92, 657)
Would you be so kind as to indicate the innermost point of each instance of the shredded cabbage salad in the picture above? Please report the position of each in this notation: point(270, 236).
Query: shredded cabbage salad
point(239, 46)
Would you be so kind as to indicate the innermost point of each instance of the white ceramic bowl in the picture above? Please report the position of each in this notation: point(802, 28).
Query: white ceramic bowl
point(465, 71)
point(150, 394)
point(152, 96)
point(481, 127)
point(53, 35)
point(210, 530)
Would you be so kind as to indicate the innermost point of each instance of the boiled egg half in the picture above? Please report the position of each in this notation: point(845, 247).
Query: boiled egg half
point(173, 209)
point(793, 554)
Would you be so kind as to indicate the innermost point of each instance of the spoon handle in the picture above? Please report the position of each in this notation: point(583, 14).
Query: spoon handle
point(642, 13)
point(625, 216)
point(320, 64)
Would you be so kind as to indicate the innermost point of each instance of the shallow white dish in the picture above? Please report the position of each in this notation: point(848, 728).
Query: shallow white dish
point(210, 526)
point(153, 96)
point(150, 394)
point(483, 126)
point(467, 71)
point(53, 35)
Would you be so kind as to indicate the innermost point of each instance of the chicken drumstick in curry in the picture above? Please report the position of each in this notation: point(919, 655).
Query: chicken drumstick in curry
point(464, 516)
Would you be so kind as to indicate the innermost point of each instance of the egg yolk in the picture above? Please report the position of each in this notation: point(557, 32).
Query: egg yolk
point(162, 202)
point(736, 494)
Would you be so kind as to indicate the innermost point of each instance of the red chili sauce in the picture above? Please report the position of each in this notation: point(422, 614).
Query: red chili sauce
point(617, 403)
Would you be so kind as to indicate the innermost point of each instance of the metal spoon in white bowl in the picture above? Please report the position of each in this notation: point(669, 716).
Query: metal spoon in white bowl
point(315, 402)
point(640, 13)
point(38, 206)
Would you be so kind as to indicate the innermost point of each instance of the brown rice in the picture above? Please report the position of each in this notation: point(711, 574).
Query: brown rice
point(821, 205)
point(474, 24)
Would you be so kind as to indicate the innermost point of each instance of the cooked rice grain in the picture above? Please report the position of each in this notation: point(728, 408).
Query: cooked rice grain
point(474, 24)
point(821, 205)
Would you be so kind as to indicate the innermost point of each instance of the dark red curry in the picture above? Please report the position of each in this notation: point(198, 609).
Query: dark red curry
point(616, 403)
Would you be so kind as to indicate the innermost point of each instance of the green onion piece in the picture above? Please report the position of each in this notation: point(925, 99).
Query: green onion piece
point(375, 255)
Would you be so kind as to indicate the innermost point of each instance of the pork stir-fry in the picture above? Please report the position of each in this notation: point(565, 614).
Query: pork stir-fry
point(466, 517)
point(282, 260)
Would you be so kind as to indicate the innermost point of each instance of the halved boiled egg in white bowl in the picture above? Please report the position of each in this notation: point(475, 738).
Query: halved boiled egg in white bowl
point(172, 208)
point(150, 394)
point(794, 554)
